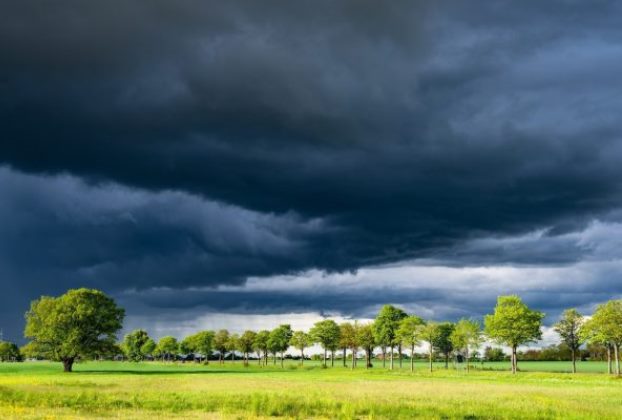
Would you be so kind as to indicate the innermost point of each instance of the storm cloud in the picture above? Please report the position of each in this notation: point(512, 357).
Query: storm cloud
point(150, 145)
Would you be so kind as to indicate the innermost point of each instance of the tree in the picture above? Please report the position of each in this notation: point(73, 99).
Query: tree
point(443, 342)
point(513, 324)
point(279, 339)
point(568, 328)
point(203, 343)
point(148, 348)
point(467, 335)
point(78, 324)
point(246, 343)
point(167, 347)
point(301, 340)
point(261, 345)
point(430, 333)
point(233, 344)
point(385, 329)
point(326, 333)
point(349, 337)
point(133, 345)
point(606, 325)
point(9, 352)
point(591, 333)
point(409, 332)
point(221, 340)
point(367, 341)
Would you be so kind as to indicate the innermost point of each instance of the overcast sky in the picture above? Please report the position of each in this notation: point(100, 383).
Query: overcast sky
point(279, 161)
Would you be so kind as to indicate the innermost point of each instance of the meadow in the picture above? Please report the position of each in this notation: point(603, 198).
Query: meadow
point(40, 390)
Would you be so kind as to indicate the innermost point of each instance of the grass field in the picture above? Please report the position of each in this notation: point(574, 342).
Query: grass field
point(156, 390)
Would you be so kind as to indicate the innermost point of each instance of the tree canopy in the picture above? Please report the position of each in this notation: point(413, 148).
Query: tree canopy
point(79, 324)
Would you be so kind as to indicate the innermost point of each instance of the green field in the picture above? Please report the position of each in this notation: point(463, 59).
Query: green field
point(156, 390)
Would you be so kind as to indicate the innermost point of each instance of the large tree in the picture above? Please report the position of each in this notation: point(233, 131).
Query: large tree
point(221, 341)
point(568, 328)
point(513, 324)
point(409, 333)
point(133, 344)
point(443, 342)
point(367, 341)
point(79, 324)
point(301, 340)
point(233, 344)
point(466, 336)
point(385, 329)
point(326, 333)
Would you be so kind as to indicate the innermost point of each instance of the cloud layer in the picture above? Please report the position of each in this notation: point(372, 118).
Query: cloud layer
point(199, 144)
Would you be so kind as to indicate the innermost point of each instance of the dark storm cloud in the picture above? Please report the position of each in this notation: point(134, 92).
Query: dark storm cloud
point(274, 137)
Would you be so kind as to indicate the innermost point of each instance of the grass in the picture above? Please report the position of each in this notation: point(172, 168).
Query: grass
point(160, 390)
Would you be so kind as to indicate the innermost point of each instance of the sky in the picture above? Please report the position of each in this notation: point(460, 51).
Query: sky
point(242, 164)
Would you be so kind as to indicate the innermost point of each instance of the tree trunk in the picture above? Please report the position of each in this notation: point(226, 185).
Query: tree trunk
point(384, 357)
point(353, 358)
point(399, 354)
point(467, 359)
point(430, 354)
point(325, 357)
point(332, 358)
point(367, 359)
point(617, 356)
point(412, 358)
point(609, 367)
point(391, 358)
point(446, 360)
point(344, 357)
point(514, 361)
point(68, 364)
point(574, 362)
point(282, 357)
point(302, 357)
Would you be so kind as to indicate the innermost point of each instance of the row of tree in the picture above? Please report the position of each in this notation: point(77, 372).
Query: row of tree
point(83, 324)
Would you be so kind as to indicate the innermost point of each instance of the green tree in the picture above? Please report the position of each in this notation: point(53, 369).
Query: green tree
point(221, 340)
point(443, 341)
point(233, 344)
point(246, 344)
point(606, 324)
point(409, 333)
point(350, 338)
point(430, 334)
point(261, 345)
point(326, 333)
point(513, 324)
point(167, 347)
point(203, 343)
point(385, 329)
point(568, 328)
point(367, 341)
point(591, 333)
point(149, 347)
point(9, 352)
point(78, 324)
point(133, 343)
point(466, 336)
point(301, 340)
point(279, 339)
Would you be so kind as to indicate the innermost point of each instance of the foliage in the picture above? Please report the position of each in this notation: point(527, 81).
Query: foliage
point(327, 334)
point(386, 325)
point(443, 341)
point(513, 323)
point(79, 324)
point(133, 344)
point(9, 352)
point(221, 342)
point(167, 347)
point(467, 337)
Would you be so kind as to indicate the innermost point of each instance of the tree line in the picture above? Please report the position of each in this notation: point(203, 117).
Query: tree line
point(83, 324)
